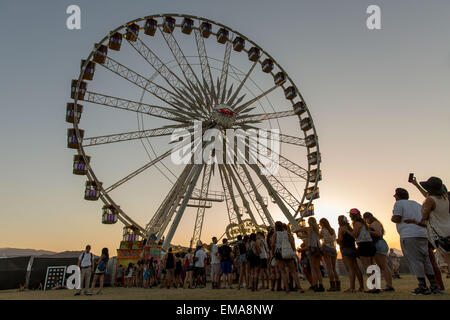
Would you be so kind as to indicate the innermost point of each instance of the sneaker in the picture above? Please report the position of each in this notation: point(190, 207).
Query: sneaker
point(319, 288)
point(373, 291)
point(77, 293)
point(435, 290)
point(99, 293)
point(420, 292)
point(388, 289)
point(88, 293)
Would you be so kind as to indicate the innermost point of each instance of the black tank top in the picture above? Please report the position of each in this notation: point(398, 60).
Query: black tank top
point(178, 265)
point(170, 261)
point(348, 241)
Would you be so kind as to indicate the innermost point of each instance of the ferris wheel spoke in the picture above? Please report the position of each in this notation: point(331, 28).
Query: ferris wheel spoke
point(126, 136)
point(283, 138)
point(251, 189)
point(283, 161)
point(286, 195)
point(234, 210)
point(138, 171)
point(228, 202)
point(278, 193)
point(169, 209)
point(146, 166)
point(250, 102)
point(184, 65)
point(265, 116)
point(154, 226)
point(233, 97)
point(185, 191)
point(206, 180)
point(161, 68)
point(140, 81)
point(129, 105)
point(204, 64)
point(197, 169)
point(224, 73)
point(245, 202)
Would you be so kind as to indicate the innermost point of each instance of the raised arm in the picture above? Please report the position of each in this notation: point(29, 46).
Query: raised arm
point(418, 186)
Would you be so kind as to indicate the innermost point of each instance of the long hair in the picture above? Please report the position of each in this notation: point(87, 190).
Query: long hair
point(356, 217)
point(105, 253)
point(326, 225)
point(343, 222)
point(269, 236)
point(313, 226)
point(279, 226)
point(369, 216)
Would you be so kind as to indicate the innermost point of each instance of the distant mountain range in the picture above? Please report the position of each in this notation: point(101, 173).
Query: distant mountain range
point(14, 252)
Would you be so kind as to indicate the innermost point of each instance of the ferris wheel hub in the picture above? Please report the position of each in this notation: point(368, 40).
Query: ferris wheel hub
point(224, 115)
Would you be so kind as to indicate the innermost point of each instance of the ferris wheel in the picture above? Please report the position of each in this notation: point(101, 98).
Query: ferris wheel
point(184, 70)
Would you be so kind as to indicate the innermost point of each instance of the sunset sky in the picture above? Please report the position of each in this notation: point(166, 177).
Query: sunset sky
point(380, 101)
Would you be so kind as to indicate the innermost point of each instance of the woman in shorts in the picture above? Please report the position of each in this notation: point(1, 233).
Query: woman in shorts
point(366, 249)
point(100, 270)
point(349, 254)
point(315, 254)
point(381, 248)
point(253, 257)
point(286, 266)
point(328, 235)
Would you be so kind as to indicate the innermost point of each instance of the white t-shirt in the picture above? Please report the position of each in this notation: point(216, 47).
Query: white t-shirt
point(408, 209)
point(214, 257)
point(87, 259)
point(201, 255)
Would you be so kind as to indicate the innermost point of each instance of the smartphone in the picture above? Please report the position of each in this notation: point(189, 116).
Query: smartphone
point(411, 177)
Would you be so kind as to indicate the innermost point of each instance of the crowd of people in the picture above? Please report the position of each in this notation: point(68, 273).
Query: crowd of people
point(271, 261)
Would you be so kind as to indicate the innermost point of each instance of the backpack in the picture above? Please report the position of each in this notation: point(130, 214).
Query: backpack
point(285, 250)
point(102, 264)
point(441, 242)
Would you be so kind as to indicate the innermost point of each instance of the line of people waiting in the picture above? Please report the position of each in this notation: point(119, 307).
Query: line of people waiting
point(272, 261)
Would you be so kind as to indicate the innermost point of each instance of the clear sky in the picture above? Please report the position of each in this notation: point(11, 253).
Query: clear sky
point(380, 101)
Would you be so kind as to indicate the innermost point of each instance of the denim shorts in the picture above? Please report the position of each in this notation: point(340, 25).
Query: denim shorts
point(381, 247)
point(243, 259)
point(349, 252)
point(226, 267)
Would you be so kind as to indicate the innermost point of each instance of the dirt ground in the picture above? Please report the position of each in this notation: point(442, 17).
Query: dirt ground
point(403, 286)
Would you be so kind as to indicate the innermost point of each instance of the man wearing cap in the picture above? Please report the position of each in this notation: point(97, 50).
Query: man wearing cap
point(413, 240)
